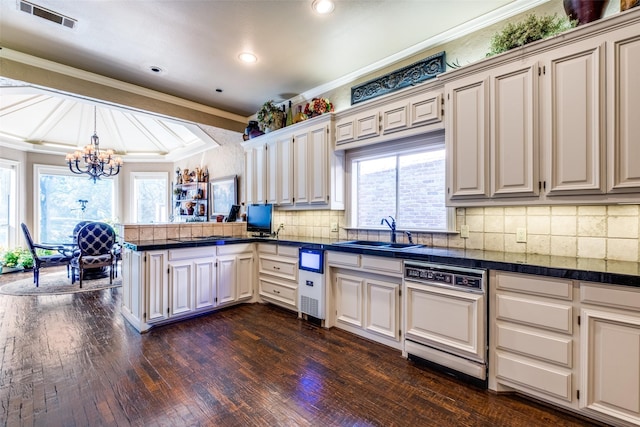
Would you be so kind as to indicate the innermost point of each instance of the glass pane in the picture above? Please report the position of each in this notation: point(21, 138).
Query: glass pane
point(151, 200)
point(6, 195)
point(65, 200)
point(376, 181)
point(421, 191)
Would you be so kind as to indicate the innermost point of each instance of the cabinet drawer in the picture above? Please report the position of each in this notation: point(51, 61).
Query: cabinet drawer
point(290, 251)
point(382, 264)
point(535, 344)
point(267, 248)
point(627, 298)
point(546, 380)
point(540, 314)
point(342, 258)
point(285, 268)
point(191, 253)
point(278, 291)
point(235, 249)
point(530, 284)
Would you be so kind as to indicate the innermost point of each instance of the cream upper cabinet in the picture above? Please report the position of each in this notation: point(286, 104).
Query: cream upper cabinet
point(255, 174)
point(279, 171)
point(623, 131)
point(467, 137)
point(573, 119)
point(311, 154)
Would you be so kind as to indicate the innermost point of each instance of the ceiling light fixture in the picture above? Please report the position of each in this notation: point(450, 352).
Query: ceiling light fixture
point(248, 57)
point(97, 164)
point(323, 7)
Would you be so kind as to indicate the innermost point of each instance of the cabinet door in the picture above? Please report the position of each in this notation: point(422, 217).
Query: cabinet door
point(284, 164)
point(255, 171)
point(318, 165)
point(132, 281)
point(349, 309)
point(610, 355)
point(204, 283)
point(514, 136)
point(395, 117)
point(245, 275)
point(382, 308)
point(300, 167)
point(226, 272)
point(573, 119)
point(158, 292)
point(181, 285)
point(272, 187)
point(467, 138)
point(624, 103)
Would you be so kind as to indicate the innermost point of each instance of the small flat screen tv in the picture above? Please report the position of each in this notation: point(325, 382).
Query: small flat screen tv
point(259, 220)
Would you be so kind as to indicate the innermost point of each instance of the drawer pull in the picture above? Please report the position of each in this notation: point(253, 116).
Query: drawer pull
point(276, 268)
point(275, 291)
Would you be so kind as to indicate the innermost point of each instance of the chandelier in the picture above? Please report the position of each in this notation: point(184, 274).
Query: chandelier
point(92, 161)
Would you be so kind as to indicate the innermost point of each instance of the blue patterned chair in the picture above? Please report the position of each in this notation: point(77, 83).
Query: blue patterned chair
point(95, 250)
point(63, 257)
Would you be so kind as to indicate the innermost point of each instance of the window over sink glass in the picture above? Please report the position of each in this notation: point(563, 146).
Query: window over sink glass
point(405, 180)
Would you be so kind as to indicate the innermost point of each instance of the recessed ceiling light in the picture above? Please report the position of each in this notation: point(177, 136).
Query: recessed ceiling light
point(248, 57)
point(323, 6)
point(155, 69)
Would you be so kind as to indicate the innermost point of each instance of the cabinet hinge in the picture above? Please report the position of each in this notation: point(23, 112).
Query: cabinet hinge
point(399, 292)
point(539, 71)
point(327, 197)
point(216, 299)
point(539, 185)
point(578, 320)
point(399, 332)
point(215, 264)
point(544, 69)
point(168, 271)
point(145, 258)
point(144, 316)
point(168, 311)
point(578, 394)
point(544, 185)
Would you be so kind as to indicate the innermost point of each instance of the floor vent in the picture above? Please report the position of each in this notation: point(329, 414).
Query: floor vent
point(309, 306)
point(49, 15)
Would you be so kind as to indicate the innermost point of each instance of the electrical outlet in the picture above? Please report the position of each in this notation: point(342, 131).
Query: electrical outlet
point(521, 235)
point(464, 231)
point(334, 227)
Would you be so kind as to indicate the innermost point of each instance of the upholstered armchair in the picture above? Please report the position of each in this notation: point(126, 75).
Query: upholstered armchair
point(95, 250)
point(63, 257)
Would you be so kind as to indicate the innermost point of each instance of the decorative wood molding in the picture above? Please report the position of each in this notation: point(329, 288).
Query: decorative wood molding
point(410, 75)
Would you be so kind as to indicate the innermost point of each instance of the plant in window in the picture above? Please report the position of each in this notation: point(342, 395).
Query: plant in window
point(531, 29)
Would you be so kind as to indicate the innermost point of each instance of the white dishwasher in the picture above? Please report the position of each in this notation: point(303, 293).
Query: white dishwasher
point(311, 287)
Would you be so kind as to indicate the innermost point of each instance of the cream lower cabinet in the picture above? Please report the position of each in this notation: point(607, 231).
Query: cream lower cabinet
point(610, 351)
point(166, 285)
point(572, 344)
point(278, 275)
point(366, 301)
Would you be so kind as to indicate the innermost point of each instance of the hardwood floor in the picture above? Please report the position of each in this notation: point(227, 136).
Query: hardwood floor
point(72, 360)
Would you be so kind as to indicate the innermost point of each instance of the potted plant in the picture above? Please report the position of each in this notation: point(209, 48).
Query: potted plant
point(270, 117)
point(531, 29)
point(11, 260)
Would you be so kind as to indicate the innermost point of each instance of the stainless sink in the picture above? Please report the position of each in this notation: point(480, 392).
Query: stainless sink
point(378, 245)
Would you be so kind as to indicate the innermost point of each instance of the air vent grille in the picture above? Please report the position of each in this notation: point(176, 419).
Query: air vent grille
point(49, 15)
point(309, 306)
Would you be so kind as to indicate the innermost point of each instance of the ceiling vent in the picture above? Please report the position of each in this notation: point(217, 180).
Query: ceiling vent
point(49, 15)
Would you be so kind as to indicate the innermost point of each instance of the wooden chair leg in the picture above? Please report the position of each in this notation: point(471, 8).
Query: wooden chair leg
point(80, 274)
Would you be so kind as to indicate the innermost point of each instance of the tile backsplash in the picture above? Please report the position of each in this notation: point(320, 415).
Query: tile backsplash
point(603, 232)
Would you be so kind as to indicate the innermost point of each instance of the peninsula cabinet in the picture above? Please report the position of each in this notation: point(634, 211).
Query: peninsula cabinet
point(569, 343)
point(366, 296)
point(296, 167)
point(543, 123)
point(405, 113)
point(165, 285)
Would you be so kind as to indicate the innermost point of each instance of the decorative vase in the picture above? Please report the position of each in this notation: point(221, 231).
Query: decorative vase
point(585, 11)
point(628, 4)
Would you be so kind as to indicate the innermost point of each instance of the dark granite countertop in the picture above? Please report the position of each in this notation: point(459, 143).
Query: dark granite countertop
point(586, 269)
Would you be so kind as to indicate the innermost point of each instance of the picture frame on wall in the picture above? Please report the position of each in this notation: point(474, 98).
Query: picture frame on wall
point(223, 194)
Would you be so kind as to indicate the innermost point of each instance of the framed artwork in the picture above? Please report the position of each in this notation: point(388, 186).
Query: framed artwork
point(224, 194)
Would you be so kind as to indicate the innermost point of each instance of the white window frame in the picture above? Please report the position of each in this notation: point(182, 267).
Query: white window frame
point(407, 145)
point(40, 169)
point(133, 213)
point(12, 234)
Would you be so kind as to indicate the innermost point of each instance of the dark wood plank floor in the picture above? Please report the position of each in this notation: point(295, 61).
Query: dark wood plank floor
point(72, 360)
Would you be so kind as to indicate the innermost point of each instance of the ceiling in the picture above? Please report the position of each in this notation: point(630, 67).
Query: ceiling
point(196, 43)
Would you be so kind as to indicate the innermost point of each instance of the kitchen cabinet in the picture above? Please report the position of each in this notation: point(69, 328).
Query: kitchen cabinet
point(366, 296)
point(532, 336)
point(535, 127)
point(157, 308)
point(234, 273)
point(405, 113)
point(133, 290)
point(610, 351)
point(278, 275)
point(296, 167)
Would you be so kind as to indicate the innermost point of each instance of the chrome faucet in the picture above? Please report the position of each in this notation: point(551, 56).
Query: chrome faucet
point(392, 226)
point(409, 236)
